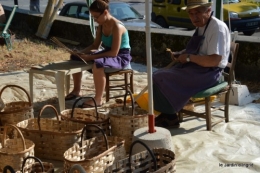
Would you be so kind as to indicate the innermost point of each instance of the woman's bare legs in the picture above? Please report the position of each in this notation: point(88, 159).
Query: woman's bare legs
point(99, 78)
point(77, 86)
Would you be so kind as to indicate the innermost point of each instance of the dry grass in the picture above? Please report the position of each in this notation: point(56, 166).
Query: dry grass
point(28, 51)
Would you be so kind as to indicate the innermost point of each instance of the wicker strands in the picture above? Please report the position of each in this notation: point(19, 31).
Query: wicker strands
point(125, 120)
point(37, 167)
point(14, 151)
point(156, 160)
point(14, 112)
point(51, 137)
point(89, 116)
point(95, 154)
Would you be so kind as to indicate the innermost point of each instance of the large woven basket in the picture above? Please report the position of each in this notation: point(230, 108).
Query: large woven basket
point(126, 119)
point(16, 111)
point(89, 116)
point(51, 137)
point(156, 160)
point(14, 151)
point(95, 154)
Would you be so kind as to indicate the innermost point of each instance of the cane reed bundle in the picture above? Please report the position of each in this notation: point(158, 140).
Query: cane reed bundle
point(89, 116)
point(16, 111)
point(51, 137)
point(56, 41)
point(125, 120)
point(95, 154)
point(156, 160)
point(14, 151)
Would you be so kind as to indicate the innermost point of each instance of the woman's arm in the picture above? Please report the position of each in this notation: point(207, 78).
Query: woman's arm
point(117, 32)
point(96, 44)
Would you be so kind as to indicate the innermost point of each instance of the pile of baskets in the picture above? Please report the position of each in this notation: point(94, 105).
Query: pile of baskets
point(96, 139)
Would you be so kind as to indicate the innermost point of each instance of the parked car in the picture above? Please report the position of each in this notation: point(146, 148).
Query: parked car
point(244, 17)
point(120, 10)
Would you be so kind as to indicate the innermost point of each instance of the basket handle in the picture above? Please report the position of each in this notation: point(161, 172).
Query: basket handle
point(32, 157)
point(42, 109)
point(75, 103)
point(20, 133)
point(10, 168)
point(128, 92)
point(29, 99)
point(147, 148)
point(93, 125)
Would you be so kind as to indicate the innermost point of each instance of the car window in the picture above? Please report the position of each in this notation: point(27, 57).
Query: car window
point(230, 1)
point(72, 11)
point(84, 13)
point(177, 2)
point(124, 12)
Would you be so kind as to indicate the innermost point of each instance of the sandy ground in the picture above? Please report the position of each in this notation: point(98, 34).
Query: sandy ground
point(229, 147)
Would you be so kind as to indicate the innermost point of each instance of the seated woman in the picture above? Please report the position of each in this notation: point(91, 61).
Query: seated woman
point(114, 57)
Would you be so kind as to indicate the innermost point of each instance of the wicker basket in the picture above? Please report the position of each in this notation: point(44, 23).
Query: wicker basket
point(51, 137)
point(37, 167)
point(125, 120)
point(156, 160)
point(95, 154)
point(14, 151)
point(14, 112)
point(89, 116)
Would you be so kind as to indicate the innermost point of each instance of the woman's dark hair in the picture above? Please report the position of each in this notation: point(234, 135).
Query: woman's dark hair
point(99, 6)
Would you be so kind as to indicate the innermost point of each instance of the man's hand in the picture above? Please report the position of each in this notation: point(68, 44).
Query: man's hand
point(183, 58)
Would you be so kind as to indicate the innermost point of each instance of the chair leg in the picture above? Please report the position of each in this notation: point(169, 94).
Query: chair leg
point(132, 82)
point(107, 88)
point(126, 82)
point(208, 113)
point(227, 106)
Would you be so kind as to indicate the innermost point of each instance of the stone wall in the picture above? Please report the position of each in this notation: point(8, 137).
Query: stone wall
point(247, 67)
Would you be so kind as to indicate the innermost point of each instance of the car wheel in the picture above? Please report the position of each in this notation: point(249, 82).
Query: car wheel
point(249, 33)
point(161, 21)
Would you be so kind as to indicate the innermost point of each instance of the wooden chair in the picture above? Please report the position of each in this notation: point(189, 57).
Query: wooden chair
point(126, 82)
point(223, 87)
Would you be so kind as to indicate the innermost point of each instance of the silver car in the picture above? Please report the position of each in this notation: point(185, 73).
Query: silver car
point(120, 10)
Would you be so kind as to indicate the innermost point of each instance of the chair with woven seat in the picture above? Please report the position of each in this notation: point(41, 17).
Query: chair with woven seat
point(223, 87)
point(122, 83)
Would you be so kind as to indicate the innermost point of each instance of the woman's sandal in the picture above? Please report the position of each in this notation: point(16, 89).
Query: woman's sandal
point(167, 121)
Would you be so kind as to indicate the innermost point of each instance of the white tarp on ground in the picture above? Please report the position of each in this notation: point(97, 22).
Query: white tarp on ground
point(229, 147)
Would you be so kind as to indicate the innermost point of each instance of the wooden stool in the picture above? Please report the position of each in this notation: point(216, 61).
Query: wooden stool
point(122, 86)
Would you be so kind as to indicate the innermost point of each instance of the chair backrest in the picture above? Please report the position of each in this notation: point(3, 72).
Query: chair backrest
point(230, 75)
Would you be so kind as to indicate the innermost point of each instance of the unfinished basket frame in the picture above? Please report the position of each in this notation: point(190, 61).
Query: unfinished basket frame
point(51, 137)
point(156, 160)
point(14, 112)
point(89, 116)
point(95, 154)
point(37, 167)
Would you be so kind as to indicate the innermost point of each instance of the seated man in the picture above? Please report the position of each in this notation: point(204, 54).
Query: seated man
point(200, 64)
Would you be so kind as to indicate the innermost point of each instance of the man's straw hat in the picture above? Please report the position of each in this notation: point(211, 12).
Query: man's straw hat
point(196, 3)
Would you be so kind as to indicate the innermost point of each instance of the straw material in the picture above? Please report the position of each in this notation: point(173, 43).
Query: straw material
point(126, 120)
point(95, 154)
point(16, 111)
point(51, 137)
point(37, 167)
point(97, 116)
point(14, 151)
point(156, 160)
